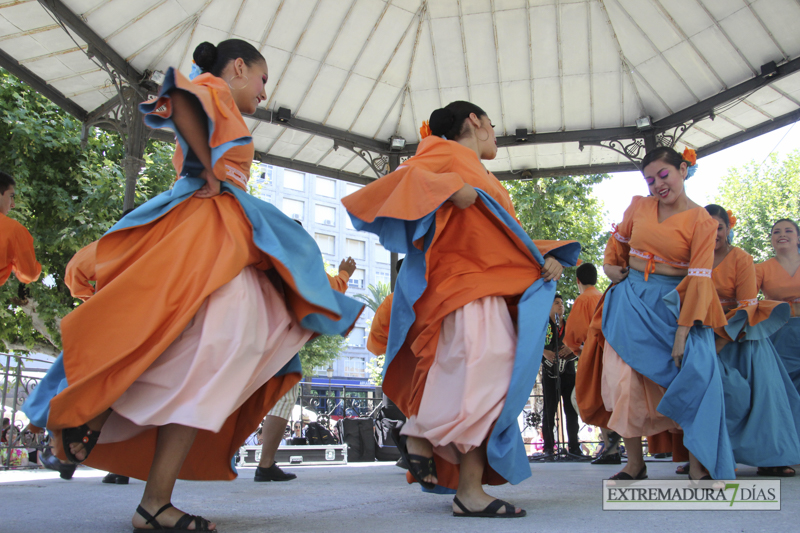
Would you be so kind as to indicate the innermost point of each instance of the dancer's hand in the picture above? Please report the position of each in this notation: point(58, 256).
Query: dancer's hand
point(552, 269)
point(211, 187)
point(616, 273)
point(680, 345)
point(564, 352)
point(464, 197)
point(550, 355)
point(348, 265)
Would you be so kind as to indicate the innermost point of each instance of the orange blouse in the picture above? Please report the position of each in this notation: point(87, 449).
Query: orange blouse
point(16, 252)
point(81, 270)
point(684, 240)
point(580, 317)
point(735, 280)
point(379, 330)
point(776, 284)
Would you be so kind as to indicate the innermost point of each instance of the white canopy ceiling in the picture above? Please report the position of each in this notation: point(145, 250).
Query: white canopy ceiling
point(353, 73)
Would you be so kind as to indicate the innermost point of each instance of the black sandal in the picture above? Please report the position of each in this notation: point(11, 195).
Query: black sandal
point(82, 434)
point(419, 465)
point(490, 511)
point(200, 523)
point(775, 471)
point(624, 476)
point(683, 469)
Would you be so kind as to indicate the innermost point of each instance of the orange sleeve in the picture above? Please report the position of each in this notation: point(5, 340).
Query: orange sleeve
point(80, 271)
point(23, 261)
point(379, 330)
point(578, 324)
point(759, 276)
point(414, 190)
point(746, 288)
point(699, 299)
point(617, 249)
point(339, 282)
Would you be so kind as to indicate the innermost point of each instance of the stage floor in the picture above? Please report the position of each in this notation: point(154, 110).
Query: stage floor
point(363, 498)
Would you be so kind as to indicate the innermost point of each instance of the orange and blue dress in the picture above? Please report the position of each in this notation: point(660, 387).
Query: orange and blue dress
point(379, 329)
point(17, 255)
point(469, 310)
point(199, 309)
point(777, 284)
point(627, 380)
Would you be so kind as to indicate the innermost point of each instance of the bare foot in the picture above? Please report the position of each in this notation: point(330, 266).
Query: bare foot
point(95, 424)
point(418, 446)
point(477, 501)
point(167, 519)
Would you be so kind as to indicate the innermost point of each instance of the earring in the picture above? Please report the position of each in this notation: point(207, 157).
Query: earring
point(482, 140)
point(246, 80)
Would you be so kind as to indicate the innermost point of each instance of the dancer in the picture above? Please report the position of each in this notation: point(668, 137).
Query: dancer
point(778, 279)
point(137, 388)
point(580, 317)
point(378, 337)
point(272, 429)
point(650, 328)
point(455, 363)
point(16, 244)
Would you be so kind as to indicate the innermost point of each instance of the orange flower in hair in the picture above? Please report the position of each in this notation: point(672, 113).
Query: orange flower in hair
point(690, 156)
point(425, 130)
point(731, 218)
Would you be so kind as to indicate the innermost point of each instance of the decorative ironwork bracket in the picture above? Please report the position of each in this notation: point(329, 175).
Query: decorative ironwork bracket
point(379, 165)
point(634, 149)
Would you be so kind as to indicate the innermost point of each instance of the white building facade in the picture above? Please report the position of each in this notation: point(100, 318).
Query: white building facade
point(316, 202)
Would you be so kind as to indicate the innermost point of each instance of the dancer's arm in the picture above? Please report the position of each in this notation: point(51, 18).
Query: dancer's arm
point(189, 119)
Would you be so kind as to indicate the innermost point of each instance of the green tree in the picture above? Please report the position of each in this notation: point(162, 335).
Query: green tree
point(321, 352)
point(759, 195)
point(377, 293)
point(564, 209)
point(67, 196)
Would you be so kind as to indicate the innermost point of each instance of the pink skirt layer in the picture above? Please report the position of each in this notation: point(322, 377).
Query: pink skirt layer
point(631, 398)
point(468, 381)
point(240, 337)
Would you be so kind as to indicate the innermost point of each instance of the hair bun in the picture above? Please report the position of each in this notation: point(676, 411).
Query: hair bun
point(442, 121)
point(205, 55)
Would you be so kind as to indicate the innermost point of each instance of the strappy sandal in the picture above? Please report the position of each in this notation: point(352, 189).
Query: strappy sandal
point(624, 476)
point(419, 465)
point(490, 511)
point(81, 434)
point(775, 471)
point(683, 469)
point(200, 523)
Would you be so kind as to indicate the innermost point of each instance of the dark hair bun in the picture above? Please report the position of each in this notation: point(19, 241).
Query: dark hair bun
point(205, 55)
point(442, 121)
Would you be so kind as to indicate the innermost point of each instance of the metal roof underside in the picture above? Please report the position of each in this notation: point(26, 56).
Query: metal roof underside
point(571, 73)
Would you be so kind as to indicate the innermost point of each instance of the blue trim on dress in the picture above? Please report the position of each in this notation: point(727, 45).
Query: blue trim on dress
point(505, 449)
point(787, 342)
point(640, 319)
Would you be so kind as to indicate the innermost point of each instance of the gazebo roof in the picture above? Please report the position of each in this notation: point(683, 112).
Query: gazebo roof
point(557, 77)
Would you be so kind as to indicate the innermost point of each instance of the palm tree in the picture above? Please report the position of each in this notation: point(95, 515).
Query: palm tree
point(377, 295)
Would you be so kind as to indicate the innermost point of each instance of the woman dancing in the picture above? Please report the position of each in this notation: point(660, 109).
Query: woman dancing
point(203, 297)
point(469, 311)
point(656, 369)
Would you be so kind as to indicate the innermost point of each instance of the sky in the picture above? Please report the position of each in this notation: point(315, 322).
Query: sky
point(616, 192)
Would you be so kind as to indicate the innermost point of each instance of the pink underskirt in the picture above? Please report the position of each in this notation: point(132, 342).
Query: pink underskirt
point(632, 399)
point(240, 338)
point(467, 384)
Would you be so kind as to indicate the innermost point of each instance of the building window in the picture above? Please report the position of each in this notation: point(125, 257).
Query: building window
point(383, 277)
point(382, 254)
point(324, 214)
point(355, 367)
point(265, 174)
point(356, 338)
point(326, 187)
point(357, 279)
point(356, 249)
point(294, 180)
point(293, 208)
point(350, 188)
point(326, 243)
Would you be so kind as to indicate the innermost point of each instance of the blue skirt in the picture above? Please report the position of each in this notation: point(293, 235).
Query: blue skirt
point(762, 406)
point(787, 342)
point(639, 322)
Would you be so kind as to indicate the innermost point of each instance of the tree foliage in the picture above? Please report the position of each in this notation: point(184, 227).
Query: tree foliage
point(321, 352)
point(564, 209)
point(377, 293)
point(67, 196)
point(759, 195)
